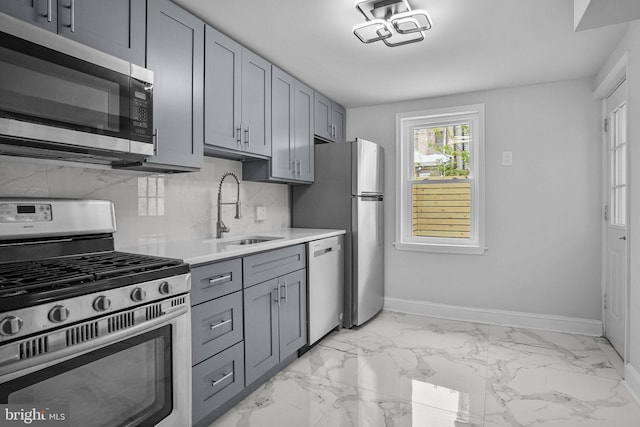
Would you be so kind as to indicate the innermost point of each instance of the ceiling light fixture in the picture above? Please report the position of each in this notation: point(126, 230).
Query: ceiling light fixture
point(392, 21)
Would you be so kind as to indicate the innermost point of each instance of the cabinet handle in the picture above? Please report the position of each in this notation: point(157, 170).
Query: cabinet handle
point(239, 135)
point(293, 167)
point(299, 167)
point(72, 9)
point(277, 289)
point(221, 279)
point(218, 381)
point(49, 11)
point(286, 293)
point(221, 323)
point(247, 132)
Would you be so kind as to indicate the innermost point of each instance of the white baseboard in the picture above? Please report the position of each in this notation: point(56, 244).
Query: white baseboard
point(632, 381)
point(496, 317)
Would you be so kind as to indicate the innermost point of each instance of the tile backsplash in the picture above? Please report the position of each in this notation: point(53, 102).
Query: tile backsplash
point(172, 206)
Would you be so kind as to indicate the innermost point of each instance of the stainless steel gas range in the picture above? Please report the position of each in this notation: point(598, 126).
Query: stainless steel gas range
point(102, 334)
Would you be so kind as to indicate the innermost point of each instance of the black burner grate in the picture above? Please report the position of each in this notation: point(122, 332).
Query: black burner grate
point(28, 277)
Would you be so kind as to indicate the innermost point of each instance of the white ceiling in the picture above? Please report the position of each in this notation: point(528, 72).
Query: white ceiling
point(473, 45)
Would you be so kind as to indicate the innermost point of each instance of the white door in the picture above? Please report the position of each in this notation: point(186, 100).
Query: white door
point(616, 236)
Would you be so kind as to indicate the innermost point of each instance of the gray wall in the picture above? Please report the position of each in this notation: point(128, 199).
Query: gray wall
point(542, 213)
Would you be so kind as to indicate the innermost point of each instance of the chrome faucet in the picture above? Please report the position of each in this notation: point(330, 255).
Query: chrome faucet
point(220, 227)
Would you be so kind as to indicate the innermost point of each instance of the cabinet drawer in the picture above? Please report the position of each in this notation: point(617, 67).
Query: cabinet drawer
point(216, 325)
point(215, 280)
point(216, 380)
point(268, 265)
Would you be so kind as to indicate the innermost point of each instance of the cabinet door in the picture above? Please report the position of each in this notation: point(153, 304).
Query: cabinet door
point(215, 325)
point(339, 123)
point(282, 124)
point(256, 104)
point(261, 329)
point(223, 62)
point(293, 312)
point(216, 380)
point(323, 117)
point(42, 13)
point(303, 133)
point(175, 50)
point(115, 26)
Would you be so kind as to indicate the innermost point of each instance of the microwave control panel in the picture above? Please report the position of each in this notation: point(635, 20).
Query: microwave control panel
point(141, 109)
point(11, 212)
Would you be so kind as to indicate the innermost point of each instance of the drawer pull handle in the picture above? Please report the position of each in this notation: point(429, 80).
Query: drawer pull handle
point(221, 279)
point(221, 323)
point(224, 377)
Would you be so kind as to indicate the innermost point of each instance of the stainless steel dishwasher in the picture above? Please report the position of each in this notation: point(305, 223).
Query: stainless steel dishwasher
point(326, 286)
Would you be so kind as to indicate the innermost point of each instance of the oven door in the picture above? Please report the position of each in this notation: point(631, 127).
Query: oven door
point(55, 90)
point(142, 378)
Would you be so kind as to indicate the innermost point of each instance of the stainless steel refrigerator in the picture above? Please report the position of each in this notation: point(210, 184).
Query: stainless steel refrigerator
point(347, 193)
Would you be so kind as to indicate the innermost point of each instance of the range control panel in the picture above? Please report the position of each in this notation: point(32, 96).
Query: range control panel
point(16, 212)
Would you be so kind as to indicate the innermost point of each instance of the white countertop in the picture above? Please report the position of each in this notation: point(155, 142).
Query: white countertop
point(203, 251)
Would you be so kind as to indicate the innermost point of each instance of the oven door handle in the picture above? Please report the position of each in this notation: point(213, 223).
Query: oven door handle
point(62, 352)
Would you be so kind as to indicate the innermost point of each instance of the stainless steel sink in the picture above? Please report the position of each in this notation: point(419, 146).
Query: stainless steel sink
point(251, 240)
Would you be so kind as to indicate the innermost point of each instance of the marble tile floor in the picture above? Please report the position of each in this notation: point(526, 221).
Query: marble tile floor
point(408, 371)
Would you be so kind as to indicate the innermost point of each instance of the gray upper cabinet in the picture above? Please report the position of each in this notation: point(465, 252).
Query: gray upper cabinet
point(42, 13)
point(175, 54)
point(330, 119)
point(116, 27)
point(291, 133)
point(282, 126)
point(223, 73)
point(303, 132)
point(256, 104)
point(339, 115)
point(237, 99)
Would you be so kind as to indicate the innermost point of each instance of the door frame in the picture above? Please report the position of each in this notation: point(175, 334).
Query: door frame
point(616, 75)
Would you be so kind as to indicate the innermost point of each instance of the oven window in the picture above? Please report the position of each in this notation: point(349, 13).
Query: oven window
point(125, 384)
point(48, 87)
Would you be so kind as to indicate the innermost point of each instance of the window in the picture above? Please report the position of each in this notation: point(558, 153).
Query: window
point(440, 180)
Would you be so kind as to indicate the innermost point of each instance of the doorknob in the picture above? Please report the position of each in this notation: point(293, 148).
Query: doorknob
point(623, 238)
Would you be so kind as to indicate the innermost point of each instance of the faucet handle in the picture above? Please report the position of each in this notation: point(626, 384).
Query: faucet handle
point(238, 210)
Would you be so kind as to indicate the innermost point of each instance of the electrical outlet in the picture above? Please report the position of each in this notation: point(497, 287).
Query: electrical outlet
point(261, 213)
point(507, 158)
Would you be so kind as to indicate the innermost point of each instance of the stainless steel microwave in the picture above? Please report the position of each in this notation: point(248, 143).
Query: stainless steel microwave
point(62, 100)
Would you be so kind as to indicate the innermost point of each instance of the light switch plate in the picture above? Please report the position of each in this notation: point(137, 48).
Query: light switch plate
point(507, 158)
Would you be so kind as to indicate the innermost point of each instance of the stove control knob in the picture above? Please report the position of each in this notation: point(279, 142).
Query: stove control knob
point(102, 303)
point(165, 288)
point(138, 294)
point(10, 325)
point(58, 314)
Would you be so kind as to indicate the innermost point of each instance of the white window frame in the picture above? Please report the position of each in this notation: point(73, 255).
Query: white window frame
point(405, 125)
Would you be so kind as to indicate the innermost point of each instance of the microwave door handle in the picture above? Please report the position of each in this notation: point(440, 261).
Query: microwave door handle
point(48, 10)
point(155, 142)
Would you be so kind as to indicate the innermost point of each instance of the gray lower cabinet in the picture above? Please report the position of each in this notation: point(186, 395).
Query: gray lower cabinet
point(248, 315)
point(237, 99)
point(216, 380)
point(330, 123)
point(217, 332)
point(275, 308)
point(115, 26)
point(175, 54)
